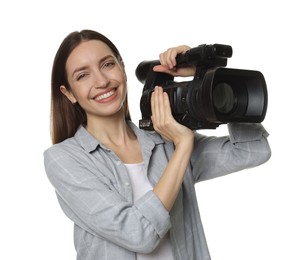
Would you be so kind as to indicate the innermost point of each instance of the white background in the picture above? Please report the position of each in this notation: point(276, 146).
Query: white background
point(255, 214)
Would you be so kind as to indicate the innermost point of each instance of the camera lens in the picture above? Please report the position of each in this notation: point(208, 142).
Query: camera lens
point(223, 98)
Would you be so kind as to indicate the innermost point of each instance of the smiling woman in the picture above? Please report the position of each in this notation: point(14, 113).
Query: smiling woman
point(80, 72)
point(97, 81)
point(130, 192)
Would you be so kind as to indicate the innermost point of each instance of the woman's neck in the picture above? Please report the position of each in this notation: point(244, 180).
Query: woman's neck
point(119, 137)
point(111, 130)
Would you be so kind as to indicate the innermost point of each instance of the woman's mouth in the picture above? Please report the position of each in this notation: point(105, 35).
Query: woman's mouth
point(105, 95)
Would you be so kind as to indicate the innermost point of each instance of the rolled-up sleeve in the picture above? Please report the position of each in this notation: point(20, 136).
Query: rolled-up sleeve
point(95, 204)
point(245, 147)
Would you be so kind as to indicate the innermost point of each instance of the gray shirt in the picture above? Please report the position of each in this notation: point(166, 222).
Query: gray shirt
point(94, 191)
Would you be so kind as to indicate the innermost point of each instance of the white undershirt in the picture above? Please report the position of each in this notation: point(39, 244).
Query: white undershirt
point(141, 185)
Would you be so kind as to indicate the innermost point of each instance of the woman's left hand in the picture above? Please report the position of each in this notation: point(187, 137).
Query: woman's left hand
point(164, 122)
point(169, 64)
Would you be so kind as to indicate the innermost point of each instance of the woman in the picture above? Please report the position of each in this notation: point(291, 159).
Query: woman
point(130, 193)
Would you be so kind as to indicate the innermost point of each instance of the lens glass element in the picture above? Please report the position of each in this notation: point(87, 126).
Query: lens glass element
point(223, 98)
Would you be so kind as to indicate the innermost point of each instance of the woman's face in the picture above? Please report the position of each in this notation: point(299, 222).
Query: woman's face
point(97, 80)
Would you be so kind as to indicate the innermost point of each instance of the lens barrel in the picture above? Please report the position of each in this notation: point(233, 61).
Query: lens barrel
point(234, 95)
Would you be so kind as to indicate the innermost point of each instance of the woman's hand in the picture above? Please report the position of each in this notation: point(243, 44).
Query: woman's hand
point(168, 62)
point(163, 121)
point(168, 187)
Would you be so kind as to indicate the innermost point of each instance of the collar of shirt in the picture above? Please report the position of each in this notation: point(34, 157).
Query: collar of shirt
point(90, 143)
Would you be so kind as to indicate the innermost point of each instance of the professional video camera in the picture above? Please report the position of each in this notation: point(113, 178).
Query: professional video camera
point(215, 96)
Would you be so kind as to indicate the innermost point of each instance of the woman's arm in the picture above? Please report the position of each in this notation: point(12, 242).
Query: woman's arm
point(170, 182)
point(94, 199)
point(245, 147)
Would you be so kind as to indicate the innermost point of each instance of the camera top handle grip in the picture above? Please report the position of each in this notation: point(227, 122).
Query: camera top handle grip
point(204, 53)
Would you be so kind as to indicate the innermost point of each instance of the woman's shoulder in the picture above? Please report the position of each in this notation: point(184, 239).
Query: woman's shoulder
point(81, 141)
point(66, 147)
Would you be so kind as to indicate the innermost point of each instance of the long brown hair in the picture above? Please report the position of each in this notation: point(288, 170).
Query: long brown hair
point(66, 117)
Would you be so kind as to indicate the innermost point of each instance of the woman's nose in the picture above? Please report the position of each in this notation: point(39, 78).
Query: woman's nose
point(101, 80)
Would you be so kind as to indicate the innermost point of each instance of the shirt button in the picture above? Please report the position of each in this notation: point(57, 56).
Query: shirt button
point(127, 184)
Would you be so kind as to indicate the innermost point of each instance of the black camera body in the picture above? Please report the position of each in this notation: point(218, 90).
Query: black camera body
point(216, 95)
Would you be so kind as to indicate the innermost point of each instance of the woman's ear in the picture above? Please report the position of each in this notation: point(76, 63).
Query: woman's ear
point(68, 94)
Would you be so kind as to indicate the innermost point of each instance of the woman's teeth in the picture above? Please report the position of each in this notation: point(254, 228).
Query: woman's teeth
point(105, 95)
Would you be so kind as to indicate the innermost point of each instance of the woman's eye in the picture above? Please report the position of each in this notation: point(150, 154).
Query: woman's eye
point(109, 64)
point(81, 76)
